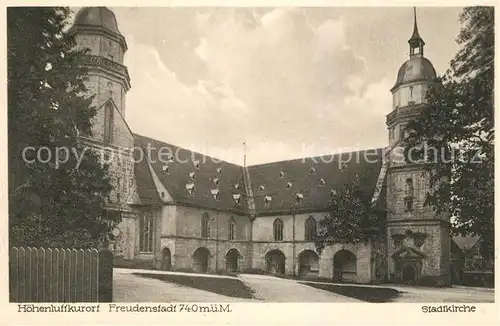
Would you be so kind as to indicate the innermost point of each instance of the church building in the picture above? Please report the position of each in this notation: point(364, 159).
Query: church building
point(190, 212)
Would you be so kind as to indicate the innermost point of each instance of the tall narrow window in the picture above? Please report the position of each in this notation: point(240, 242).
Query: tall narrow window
point(402, 132)
point(310, 229)
point(147, 234)
point(278, 230)
point(108, 123)
point(232, 229)
point(205, 230)
point(409, 194)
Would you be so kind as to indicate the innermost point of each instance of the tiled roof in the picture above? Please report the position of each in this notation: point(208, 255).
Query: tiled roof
point(303, 184)
point(194, 179)
point(145, 185)
point(313, 178)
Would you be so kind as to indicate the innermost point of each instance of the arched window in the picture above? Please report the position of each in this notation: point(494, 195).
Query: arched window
point(205, 230)
point(232, 229)
point(147, 233)
point(409, 194)
point(108, 123)
point(310, 229)
point(278, 230)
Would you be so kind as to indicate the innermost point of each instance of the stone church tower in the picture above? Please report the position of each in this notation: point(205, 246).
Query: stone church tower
point(418, 239)
point(96, 29)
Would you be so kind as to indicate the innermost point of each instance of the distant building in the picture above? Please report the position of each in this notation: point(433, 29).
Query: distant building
point(191, 212)
point(469, 265)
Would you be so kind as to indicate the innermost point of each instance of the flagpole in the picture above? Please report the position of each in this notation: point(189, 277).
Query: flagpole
point(245, 153)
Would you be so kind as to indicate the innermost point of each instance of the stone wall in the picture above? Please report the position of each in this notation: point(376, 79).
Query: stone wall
point(185, 248)
point(263, 226)
point(431, 247)
point(100, 45)
point(188, 223)
point(396, 183)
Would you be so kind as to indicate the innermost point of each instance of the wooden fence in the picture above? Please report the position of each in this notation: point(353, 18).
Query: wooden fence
point(60, 275)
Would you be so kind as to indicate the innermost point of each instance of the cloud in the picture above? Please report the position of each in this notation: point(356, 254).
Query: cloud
point(288, 86)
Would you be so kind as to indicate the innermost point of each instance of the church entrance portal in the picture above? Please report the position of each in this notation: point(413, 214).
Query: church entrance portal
point(344, 266)
point(275, 262)
point(308, 263)
point(409, 274)
point(166, 259)
point(200, 260)
point(232, 258)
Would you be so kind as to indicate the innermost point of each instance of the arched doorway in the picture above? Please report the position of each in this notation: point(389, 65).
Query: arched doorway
point(409, 274)
point(166, 259)
point(200, 260)
point(275, 262)
point(232, 257)
point(344, 266)
point(308, 263)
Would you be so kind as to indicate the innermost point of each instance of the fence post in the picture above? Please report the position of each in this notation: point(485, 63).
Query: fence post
point(105, 277)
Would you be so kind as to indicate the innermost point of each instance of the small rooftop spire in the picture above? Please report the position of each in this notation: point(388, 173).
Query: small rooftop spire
point(416, 42)
point(415, 27)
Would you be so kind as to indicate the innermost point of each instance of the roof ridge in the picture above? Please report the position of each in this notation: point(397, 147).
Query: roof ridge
point(316, 156)
point(186, 149)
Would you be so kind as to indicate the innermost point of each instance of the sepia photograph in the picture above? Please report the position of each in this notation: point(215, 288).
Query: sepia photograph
point(250, 154)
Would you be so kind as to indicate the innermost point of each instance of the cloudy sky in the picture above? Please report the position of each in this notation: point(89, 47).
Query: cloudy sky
point(291, 82)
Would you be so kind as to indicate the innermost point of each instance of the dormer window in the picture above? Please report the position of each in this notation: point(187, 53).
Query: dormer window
point(298, 197)
point(312, 170)
point(192, 176)
point(236, 198)
point(289, 185)
point(170, 159)
point(196, 165)
point(322, 182)
point(343, 166)
point(219, 171)
point(215, 194)
point(237, 186)
point(262, 188)
point(333, 192)
point(216, 181)
point(267, 200)
point(190, 188)
point(166, 168)
point(282, 174)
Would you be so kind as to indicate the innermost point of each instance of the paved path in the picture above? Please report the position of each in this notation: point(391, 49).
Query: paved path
point(132, 288)
point(421, 294)
point(276, 289)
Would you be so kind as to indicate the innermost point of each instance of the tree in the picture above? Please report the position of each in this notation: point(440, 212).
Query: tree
point(51, 203)
point(352, 218)
point(453, 135)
